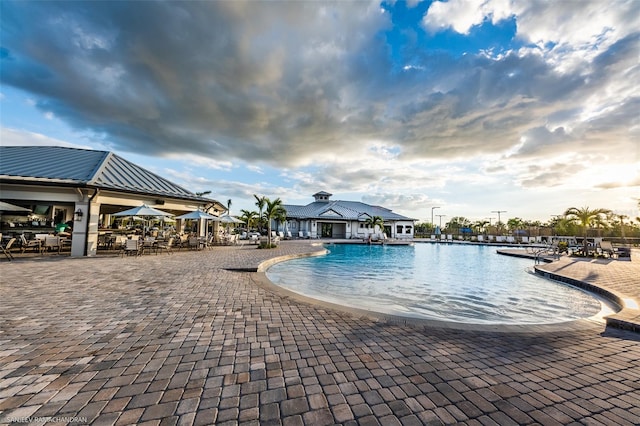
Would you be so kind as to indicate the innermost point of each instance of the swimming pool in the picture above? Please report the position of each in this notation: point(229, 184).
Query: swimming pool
point(446, 282)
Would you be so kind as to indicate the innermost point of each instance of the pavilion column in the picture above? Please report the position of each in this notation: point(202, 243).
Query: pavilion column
point(79, 234)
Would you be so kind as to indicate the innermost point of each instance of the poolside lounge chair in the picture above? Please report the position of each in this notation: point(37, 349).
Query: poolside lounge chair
point(607, 248)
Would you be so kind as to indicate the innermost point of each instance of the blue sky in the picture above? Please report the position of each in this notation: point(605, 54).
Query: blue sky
point(529, 107)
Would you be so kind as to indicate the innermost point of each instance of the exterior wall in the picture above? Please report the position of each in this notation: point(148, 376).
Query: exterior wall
point(312, 228)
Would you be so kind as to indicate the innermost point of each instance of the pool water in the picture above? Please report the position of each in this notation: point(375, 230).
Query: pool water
point(447, 282)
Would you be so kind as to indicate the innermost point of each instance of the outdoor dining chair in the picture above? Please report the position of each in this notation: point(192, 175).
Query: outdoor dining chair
point(52, 243)
point(166, 246)
point(131, 248)
point(195, 243)
point(6, 249)
point(25, 244)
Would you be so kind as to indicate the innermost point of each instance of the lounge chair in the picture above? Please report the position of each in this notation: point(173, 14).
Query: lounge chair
point(607, 248)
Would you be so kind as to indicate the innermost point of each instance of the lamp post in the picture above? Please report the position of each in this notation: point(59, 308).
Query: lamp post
point(499, 222)
point(441, 216)
point(432, 215)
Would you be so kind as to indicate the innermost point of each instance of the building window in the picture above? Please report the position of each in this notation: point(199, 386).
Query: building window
point(399, 229)
point(408, 230)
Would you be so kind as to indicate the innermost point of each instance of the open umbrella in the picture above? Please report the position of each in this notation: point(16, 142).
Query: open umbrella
point(227, 219)
point(197, 214)
point(143, 211)
point(6, 207)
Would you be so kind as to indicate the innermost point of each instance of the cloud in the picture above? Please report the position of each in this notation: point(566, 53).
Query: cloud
point(16, 137)
point(314, 89)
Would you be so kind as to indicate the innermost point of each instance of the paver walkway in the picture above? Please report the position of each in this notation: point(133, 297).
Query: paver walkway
point(193, 339)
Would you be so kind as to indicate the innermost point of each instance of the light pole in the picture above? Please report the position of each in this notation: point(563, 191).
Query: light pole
point(499, 222)
point(441, 216)
point(432, 215)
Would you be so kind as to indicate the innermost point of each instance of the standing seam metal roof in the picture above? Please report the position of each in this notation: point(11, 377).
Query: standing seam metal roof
point(348, 210)
point(83, 167)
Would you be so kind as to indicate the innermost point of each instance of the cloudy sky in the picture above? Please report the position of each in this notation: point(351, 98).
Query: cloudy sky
point(525, 106)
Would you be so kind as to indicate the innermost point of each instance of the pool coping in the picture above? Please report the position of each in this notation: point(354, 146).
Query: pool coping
point(623, 319)
point(259, 277)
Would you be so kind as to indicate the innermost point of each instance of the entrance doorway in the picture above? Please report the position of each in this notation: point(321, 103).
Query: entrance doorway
point(327, 230)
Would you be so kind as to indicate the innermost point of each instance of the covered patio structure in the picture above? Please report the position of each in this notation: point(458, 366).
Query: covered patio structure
point(84, 188)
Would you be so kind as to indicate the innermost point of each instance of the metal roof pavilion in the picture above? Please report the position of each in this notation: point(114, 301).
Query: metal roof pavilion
point(84, 168)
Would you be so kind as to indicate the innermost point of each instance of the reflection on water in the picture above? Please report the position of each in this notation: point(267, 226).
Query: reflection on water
point(461, 283)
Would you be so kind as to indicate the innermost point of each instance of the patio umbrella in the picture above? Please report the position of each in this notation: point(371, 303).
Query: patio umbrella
point(143, 211)
point(197, 214)
point(6, 207)
point(228, 219)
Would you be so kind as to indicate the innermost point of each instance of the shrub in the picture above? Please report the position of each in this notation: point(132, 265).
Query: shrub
point(563, 247)
point(267, 245)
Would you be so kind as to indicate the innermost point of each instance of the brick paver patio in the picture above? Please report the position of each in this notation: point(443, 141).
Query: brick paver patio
point(193, 338)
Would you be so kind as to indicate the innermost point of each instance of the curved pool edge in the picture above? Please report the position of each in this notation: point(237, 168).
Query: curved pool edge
point(621, 319)
point(263, 266)
point(259, 277)
point(624, 319)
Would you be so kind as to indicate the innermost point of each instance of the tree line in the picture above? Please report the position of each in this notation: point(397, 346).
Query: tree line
point(574, 222)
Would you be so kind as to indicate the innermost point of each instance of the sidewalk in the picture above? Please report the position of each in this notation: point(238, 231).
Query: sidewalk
point(190, 338)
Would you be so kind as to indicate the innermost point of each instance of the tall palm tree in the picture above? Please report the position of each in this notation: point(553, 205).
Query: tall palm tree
point(515, 224)
point(373, 221)
point(202, 194)
point(273, 209)
point(249, 217)
point(586, 218)
point(229, 206)
point(260, 202)
point(480, 226)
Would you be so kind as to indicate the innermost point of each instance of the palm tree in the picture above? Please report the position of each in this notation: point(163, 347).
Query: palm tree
point(480, 226)
point(249, 217)
point(229, 206)
point(586, 218)
point(515, 224)
point(273, 209)
point(371, 222)
point(621, 218)
point(202, 194)
point(260, 202)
